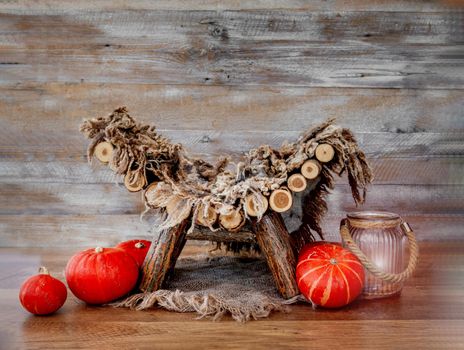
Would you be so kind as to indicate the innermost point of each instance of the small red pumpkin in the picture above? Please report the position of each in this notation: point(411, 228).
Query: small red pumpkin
point(137, 248)
point(42, 294)
point(329, 275)
point(101, 275)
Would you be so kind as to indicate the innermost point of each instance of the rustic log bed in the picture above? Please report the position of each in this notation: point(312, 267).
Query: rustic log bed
point(183, 192)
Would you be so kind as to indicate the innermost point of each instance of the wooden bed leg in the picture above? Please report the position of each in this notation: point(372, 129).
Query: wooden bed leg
point(175, 255)
point(274, 241)
point(162, 255)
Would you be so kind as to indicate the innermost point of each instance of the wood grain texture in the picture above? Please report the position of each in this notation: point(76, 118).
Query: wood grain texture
point(388, 170)
point(223, 77)
point(109, 199)
point(61, 107)
point(217, 120)
point(275, 244)
point(235, 143)
point(205, 234)
point(108, 230)
point(315, 5)
point(428, 315)
point(162, 256)
point(103, 214)
point(61, 202)
point(283, 48)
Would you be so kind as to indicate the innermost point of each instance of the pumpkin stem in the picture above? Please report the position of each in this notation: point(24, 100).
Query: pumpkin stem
point(139, 245)
point(333, 261)
point(98, 250)
point(43, 270)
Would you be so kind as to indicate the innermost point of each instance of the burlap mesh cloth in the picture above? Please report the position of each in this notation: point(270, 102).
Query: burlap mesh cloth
point(216, 286)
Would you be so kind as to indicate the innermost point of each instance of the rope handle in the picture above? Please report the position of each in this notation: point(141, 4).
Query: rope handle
point(369, 265)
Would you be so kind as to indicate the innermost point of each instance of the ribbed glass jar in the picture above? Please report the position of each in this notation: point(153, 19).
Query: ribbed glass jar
point(380, 238)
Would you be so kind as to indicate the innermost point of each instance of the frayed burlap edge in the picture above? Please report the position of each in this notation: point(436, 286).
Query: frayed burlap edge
point(206, 305)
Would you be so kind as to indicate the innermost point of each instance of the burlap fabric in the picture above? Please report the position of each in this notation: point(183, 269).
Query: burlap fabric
point(215, 286)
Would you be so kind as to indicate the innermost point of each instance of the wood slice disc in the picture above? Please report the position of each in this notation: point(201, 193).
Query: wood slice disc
point(206, 220)
point(134, 186)
point(233, 221)
point(324, 152)
point(280, 200)
point(250, 207)
point(297, 183)
point(103, 152)
point(311, 169)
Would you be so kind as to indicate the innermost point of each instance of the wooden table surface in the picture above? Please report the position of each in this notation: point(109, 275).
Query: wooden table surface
point(428, 315)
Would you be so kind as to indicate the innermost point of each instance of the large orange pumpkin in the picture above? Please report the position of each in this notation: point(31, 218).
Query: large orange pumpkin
point(101, 275)
point(329, 275)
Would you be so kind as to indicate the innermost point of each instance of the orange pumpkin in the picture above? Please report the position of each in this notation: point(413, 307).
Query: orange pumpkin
point(136, 248)
point(329, 275)
point(42, 294)
point(101, 275)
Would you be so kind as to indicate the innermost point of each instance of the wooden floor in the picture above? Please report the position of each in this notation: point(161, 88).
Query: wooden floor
point(428, 315)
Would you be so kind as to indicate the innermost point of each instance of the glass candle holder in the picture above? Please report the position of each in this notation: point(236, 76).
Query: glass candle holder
point(379, 241)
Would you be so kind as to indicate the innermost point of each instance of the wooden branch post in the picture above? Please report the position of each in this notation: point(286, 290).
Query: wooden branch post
point(205, 234)
point(274, 241)
point(162, 257)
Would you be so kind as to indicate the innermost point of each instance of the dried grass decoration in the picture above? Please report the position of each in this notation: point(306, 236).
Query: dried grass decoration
point(182, 191)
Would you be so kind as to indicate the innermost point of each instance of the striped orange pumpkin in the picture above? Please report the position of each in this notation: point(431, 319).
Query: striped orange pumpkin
point(329, 275)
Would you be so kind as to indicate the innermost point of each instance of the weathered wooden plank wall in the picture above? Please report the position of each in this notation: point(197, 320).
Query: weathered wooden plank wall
point(222, 77)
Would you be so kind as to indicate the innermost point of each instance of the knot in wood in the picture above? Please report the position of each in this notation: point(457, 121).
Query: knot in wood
point(218, 31)
point(205, 139)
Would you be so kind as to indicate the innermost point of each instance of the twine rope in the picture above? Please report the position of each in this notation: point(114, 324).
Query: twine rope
point(388, 223)
point(371, 267)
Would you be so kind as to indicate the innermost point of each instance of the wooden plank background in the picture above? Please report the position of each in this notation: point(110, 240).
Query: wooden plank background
point(222, 77)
